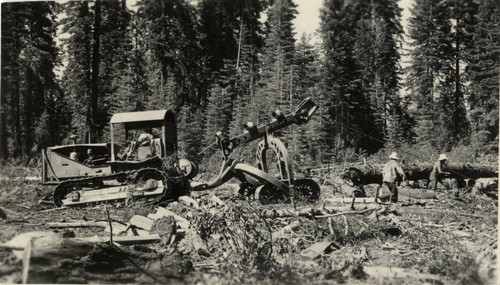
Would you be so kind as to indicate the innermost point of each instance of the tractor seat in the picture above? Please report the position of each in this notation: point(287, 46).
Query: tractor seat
point(152, 148)
point(144, 152)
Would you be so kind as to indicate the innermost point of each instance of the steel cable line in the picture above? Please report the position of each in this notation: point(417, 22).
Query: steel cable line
point(342, 125)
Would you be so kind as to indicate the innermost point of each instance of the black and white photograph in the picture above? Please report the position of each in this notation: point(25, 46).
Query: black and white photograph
point(249, 142)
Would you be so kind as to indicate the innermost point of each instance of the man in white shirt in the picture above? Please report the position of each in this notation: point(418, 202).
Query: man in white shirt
point(437, 173)
point(391, 174)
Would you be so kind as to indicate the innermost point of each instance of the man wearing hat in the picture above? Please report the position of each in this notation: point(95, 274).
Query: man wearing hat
point(437, 173)
point(392, 171)
point(72, 139)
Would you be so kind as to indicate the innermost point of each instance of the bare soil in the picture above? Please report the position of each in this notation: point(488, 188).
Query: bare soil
point(448, 240)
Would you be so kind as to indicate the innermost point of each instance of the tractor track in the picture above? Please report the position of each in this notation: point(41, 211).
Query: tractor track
point(123, 178)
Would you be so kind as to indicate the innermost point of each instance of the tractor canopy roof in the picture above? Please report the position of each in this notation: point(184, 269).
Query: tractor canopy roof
point(137, 120)
point(81, 145)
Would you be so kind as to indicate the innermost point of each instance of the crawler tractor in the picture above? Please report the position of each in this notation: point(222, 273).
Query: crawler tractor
point(92, 173)
point(147, 167)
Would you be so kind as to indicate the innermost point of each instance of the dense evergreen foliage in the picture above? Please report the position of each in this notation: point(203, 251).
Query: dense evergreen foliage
point(33, 111)
point(219, 64)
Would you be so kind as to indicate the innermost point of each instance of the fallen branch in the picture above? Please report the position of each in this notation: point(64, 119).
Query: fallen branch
point(330, 226)
point(110, 227)
point(435, 225)
point(25, 222)
point(346, 225)
point(206, 264)
point(278, 213)
point(281, 232)
point(26, 261)
point(347, 213)
point(77, 224)
point(53, 209)
point(461, 214)
point(123, 239)
point(9, 211)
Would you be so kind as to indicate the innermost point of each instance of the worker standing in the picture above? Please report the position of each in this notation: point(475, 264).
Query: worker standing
point(391, 173)
point(437, 173)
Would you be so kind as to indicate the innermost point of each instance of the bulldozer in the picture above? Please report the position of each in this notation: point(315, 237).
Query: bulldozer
point(147, 167)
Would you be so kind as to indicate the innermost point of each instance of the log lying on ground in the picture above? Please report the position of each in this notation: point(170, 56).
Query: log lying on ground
point(369, 174)
point(48, 245)
point(78, 224)
point(312, 212)
point(379, 272)
point(49, 258)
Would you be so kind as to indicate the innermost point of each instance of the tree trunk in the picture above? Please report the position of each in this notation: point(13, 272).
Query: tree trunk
point(27, 124)
point(16, 114)
point(373, 173)
point(86, 62)
point(4, 154)
point(94, 99)
point(457, 74)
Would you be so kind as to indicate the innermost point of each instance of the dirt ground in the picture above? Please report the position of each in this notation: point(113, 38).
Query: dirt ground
point(450, 239)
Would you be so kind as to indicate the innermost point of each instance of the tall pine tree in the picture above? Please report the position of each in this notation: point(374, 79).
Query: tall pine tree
point(29, 88)
point(77, 75)
point(428, 78)
point(173, 50)
point(275, 87)
point(482, 70)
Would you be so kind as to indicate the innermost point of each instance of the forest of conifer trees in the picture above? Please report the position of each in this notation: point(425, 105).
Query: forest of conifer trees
point(67, 68)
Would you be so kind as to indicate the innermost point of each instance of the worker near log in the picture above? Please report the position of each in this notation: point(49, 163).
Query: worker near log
point(437, 173)
point(391, 174)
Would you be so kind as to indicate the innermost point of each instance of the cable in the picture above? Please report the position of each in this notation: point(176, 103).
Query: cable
point(342, 125)
point(206, 148)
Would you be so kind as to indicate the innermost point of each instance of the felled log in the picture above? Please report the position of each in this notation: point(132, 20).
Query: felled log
point(49, 258)
point(363, 200)
point(379, 272)
point(122, 239)
point(312, 212)
point(48, 246)
point(369, 174)
point(40, 250)
point(78, 224)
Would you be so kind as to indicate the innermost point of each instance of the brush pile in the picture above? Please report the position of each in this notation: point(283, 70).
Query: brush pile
point(218, 237)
